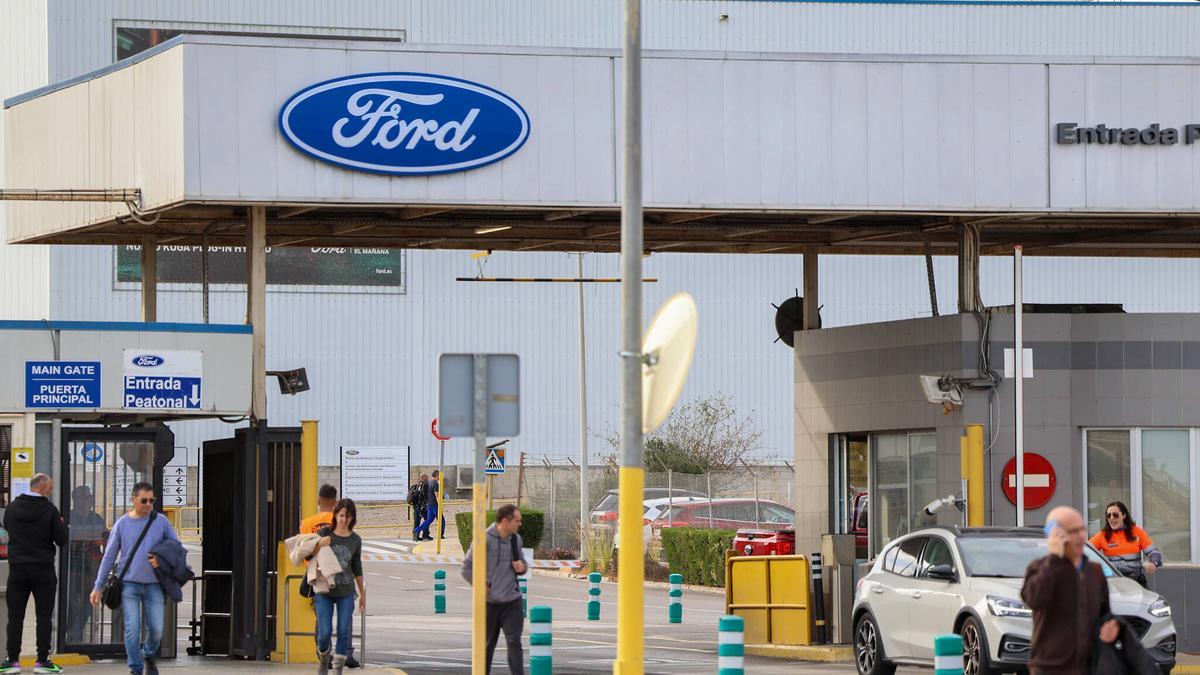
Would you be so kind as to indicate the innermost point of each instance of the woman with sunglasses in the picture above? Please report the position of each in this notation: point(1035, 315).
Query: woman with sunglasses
point(1126, 545)
point(347, 546)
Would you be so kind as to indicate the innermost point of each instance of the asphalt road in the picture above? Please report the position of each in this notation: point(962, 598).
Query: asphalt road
point(403, 631)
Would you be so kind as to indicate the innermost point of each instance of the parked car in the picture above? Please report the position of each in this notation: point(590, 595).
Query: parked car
point(968, 581)
point(728, 514)
point(605, 511)
point(653, 510)
point(764, 542)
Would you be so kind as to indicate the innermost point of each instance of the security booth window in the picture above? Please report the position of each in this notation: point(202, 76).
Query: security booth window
point(904, 475)
point(1151, 472)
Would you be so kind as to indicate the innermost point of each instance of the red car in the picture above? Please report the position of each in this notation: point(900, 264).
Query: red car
point(728, 514)
point(765, 542)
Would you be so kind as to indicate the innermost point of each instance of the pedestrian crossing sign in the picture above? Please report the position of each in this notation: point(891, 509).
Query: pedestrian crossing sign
point(495, 462)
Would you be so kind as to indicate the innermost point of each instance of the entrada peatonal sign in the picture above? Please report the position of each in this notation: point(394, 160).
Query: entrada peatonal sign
point(1070, 133)
point(404, 124)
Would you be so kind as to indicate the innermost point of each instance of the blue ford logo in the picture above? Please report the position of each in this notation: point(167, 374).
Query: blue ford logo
point(147, 360)
point(404, 124)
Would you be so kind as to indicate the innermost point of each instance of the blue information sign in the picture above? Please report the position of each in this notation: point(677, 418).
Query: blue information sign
point(62, 384)
point(156, 392)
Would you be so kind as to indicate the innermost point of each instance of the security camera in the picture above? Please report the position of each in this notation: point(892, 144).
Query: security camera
point(943, 390)
point(949, 500)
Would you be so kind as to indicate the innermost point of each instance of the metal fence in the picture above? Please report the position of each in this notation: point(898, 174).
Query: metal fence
point(751, 496)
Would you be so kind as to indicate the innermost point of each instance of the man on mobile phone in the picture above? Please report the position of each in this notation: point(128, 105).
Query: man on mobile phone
point(1068, 596)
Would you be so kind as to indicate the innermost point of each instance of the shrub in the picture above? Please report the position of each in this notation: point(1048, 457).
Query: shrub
point(532, 523)
point(698, 554)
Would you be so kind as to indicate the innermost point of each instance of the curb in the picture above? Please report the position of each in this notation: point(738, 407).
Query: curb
point(60, 659)
point(1185, 670)
point(816, 653)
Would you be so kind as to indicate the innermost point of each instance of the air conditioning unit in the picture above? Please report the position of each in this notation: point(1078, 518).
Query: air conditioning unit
point(464, 476)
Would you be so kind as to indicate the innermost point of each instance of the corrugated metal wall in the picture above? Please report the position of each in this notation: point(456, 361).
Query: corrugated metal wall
point(24, 270)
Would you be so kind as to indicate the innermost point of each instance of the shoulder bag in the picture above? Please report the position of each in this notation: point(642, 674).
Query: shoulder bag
point(110, 592)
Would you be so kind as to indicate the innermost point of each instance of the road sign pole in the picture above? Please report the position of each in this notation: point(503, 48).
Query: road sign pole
point(479, 544)
point(631, 566)
point(1019, 363)
point(441, 504)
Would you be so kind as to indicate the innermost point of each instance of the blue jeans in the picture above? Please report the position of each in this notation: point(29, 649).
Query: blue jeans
point(431, 514)
point(325, 604)
point(135, 599)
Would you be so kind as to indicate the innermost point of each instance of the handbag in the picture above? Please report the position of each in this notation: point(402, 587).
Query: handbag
point(110, 592)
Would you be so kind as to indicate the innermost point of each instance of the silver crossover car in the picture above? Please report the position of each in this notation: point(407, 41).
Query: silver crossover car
point(968, 581)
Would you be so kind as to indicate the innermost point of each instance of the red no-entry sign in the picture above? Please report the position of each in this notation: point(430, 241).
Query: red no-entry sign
point(1039, 482)
point(434, 430)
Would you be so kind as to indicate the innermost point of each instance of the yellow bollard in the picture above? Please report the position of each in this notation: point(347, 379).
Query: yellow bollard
point(975, 488)
point(301, 620)
point(308, 468)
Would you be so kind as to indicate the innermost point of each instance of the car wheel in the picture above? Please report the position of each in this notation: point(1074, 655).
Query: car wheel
point(976, 659)
point(868, 648)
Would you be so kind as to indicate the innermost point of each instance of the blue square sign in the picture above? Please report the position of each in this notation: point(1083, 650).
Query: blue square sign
point(62, 384)
point(158, 392)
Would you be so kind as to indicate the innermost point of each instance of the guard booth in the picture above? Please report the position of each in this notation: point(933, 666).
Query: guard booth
point(100, 466)
point(240, 581)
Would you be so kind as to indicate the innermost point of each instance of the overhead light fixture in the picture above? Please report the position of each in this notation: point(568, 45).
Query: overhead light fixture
point(489, 230)
point(479, 255)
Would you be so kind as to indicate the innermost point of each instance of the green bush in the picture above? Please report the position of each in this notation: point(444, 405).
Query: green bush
point(698, 554)
point(532, 524)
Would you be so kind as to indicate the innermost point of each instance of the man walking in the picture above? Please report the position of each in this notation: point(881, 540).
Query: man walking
point(1068, 596)
point(326, 499)
point(505, 562)
point(133, 536)
point(432, 507)
point(416, 499)
point(34, 528)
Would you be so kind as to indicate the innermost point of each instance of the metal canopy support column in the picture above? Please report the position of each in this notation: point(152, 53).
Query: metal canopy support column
point(149, 279)
point(256, 308)
point(811, 305)
point(968, 268)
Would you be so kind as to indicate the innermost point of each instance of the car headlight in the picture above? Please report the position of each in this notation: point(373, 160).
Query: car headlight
point(1160, 609)
point(1008, 607)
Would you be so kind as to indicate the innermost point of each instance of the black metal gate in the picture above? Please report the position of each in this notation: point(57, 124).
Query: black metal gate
point(251, 502)
point(100, 465)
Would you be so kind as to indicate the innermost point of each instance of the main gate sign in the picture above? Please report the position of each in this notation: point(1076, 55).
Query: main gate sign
point(404, 123)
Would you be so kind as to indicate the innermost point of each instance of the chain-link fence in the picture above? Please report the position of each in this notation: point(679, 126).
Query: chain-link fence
point(752, 496)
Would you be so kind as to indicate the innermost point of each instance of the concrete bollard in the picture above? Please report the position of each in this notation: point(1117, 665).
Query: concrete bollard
point(540, 621)
point(948, 655)
point(731, 646)
point(593, 606)
point(675, 599)
point(523, 582)
point(439, 591)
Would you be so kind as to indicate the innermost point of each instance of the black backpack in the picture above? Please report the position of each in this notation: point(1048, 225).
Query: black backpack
point(415, 494)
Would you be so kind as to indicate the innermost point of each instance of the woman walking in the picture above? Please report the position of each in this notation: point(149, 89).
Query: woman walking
point(1126, 545)
point(347, 546)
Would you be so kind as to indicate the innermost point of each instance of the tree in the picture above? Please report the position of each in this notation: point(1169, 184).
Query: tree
point(700, 436)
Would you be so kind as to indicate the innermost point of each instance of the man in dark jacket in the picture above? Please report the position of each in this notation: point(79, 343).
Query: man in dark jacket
point(1068, 596)
point(34, 528)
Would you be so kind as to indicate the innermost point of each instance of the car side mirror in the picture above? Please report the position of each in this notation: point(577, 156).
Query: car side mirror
point(943, 572)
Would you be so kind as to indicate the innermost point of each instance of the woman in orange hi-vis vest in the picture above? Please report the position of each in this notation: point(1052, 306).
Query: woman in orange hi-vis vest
point(1126, 545)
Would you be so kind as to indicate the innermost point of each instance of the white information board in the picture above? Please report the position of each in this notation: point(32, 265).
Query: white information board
point(375, 474)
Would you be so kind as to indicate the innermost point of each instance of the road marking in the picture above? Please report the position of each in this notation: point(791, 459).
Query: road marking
point(396, 578)
point(374, 574)
point(403, 548)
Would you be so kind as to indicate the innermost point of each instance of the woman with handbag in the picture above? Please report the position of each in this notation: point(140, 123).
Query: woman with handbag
point(347, 546)
point(1126, 545)
point(135, 588)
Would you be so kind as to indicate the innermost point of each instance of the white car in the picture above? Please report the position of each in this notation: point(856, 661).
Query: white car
point(942, 580)
point(652, 511)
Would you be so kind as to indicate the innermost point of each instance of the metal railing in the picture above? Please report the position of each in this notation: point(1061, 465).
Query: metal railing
point(287, 615)
point(198, 624)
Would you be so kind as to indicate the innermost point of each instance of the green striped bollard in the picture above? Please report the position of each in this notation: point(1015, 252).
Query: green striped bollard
point(439, 591)
point(731, 646)
point(593, 606)
point(523, 581)
point(540, 662)
point(675, 602)
point(948, 655)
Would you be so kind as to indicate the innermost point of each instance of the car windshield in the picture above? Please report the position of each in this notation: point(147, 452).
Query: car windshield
point(1009, 556)
point(609, 503)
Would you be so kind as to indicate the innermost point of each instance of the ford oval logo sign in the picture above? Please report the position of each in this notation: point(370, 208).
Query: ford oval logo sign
point(147, 360)
point(405, 124)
